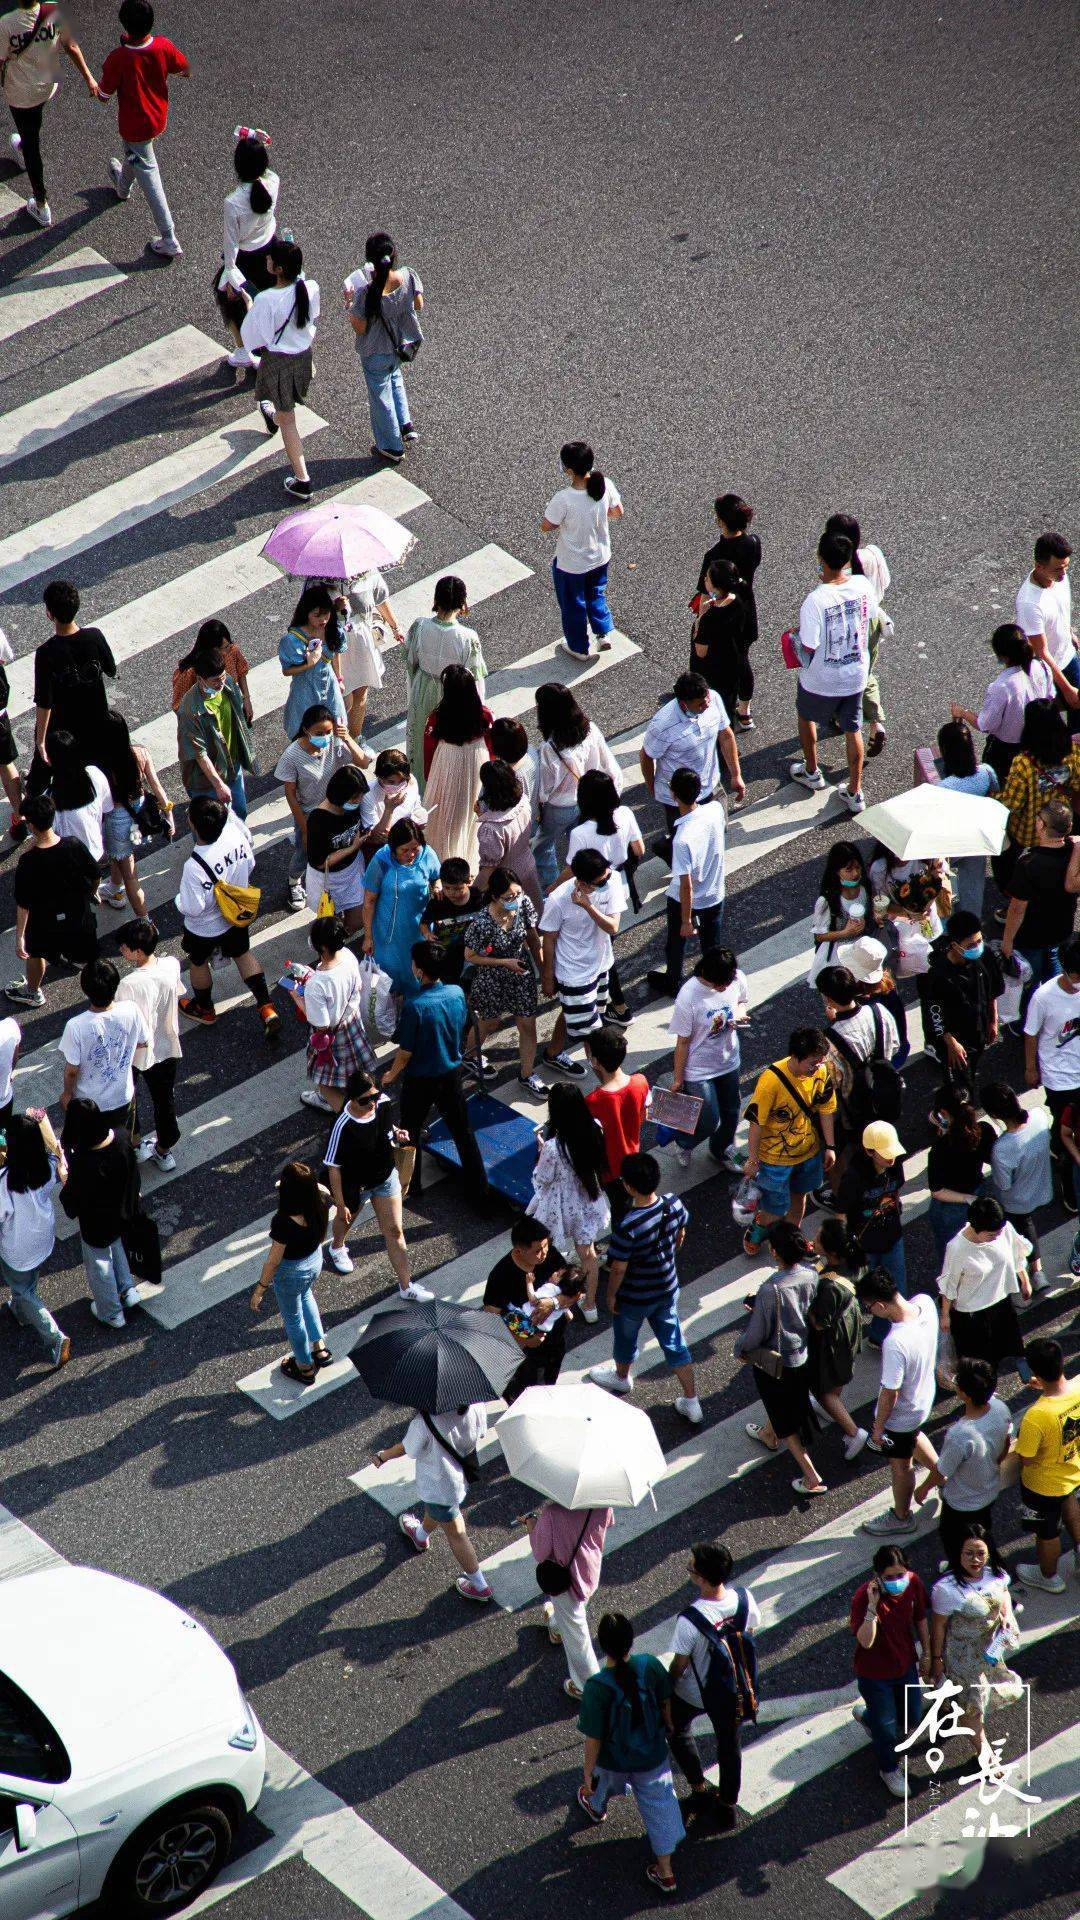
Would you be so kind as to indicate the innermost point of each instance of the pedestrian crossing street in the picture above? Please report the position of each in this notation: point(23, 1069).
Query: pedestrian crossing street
point(801, 1737)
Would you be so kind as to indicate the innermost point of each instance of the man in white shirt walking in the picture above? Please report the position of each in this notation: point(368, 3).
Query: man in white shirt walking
point(906, 1396)
point(834, 653)
point(1044, 604)
point(692, 729)
point(100, 1045)
point(154, 987)
point(222, 852)
point(695, 895)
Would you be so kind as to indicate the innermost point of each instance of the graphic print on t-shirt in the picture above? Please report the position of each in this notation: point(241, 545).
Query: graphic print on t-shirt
point(842, 633)
point(107, 1054)
point(1068, 1033)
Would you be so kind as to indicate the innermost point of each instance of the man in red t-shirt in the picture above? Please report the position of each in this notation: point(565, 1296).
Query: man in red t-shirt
point(137, 72)
point(619, 1103)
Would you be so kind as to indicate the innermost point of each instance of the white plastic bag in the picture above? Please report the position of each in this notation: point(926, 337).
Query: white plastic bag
point(377, 1001)
point(745, 1202)
point(945, 1366)
point(1017, 975)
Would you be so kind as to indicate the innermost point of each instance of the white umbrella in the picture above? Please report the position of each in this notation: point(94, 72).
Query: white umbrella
point(579, 1446)
point(932, 822)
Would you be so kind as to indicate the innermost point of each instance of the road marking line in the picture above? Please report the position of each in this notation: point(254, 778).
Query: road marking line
point(26, 429)
point(51, 290)
point(304, 1817)
point(50, 543)
point(10, 203)
point(210, 589)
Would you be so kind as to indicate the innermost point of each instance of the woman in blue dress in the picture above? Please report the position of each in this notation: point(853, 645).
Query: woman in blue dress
point(306, 656)
point(397, 891)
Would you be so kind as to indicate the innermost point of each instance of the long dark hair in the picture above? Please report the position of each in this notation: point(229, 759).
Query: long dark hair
point(580, 1138)
point(314, 598)
point(847, 526)
point(1010, 644)
point(597, 799)
point(965, 1128)
point(1044, 736)
point(844, 853)
point(459, 716)
point(251, 161)
point(615, 1637)
point(71, 784)
point(957, 749)
point(382, 253)
point(117, 761)
point(28, 1165)
point(840, 1248)
point(287, 259)
point(561, 721)
point(298, 1192)
point(213, 636)
point(577, 458)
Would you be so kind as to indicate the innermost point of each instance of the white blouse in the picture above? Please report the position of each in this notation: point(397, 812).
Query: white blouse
point(270, 323)
point(559, 770)
point(245, 230)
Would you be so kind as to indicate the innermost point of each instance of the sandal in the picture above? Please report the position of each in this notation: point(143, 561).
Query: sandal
point(800, 1486)
point(292, 1370)
point(322, 1355)
point(756, 1432)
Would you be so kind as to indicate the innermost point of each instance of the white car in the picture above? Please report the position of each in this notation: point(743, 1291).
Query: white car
point(128, 1754)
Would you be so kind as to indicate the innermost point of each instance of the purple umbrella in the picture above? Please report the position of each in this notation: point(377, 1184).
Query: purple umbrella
point(338, 541)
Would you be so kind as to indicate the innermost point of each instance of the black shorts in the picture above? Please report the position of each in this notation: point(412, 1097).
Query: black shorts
point(77, 944)
point(230, 944)
point(903, 1444)
point(1042, 1512)
point(9, 752)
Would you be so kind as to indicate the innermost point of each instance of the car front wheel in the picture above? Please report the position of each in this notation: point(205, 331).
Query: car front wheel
point(171, 1859)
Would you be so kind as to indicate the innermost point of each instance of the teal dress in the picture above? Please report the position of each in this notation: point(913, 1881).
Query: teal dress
point(317, 686)
point(402, 895)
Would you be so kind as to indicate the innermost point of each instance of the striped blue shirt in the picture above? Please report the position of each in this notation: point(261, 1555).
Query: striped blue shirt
point(646, 1238)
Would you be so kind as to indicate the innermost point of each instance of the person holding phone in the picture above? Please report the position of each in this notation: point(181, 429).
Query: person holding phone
point(890, 1621)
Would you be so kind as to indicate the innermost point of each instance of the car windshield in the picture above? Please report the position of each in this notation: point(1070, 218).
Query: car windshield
point(30, 1746)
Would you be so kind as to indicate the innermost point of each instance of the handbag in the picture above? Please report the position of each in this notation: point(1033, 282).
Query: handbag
point(468, 1462)
point(326, 908)
point(142, 1243)
point(405, 350)
point(553, 1576)
point(789, 650)
point(237, 905)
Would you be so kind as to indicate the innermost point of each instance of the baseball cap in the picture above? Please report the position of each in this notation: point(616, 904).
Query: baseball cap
point(881, 1137)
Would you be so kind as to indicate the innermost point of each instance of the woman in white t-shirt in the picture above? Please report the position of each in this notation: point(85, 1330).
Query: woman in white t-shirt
point(337, 1043)
point(250, 225)
point(437, 1444)
point(709, 1009)
point(31, 41)
point(614, 831)
point(581, 514)
point(571, 746)
point(870, 562)
point(280, 328)
point(973, 1630)
point(34, 1170)
point(844, 909)
point(985, 1268)
point(81, 795)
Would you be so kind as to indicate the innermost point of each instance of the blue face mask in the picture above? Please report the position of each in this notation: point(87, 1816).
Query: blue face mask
point(320, 742)
point(351, 806)
point(973, 953)
point(896, 1585)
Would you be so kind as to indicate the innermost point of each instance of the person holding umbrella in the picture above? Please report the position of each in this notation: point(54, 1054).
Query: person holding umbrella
point(443, 1447)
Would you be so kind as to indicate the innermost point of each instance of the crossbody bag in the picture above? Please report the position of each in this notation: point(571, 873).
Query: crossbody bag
point(553, 1576)
point(237, 905)
point(468, 1462)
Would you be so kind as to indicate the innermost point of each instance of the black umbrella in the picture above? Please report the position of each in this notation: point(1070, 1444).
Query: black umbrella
point(435, 1356)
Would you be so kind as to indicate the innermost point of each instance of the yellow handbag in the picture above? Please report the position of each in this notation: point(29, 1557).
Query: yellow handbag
point(237, 905)
point(326, 908)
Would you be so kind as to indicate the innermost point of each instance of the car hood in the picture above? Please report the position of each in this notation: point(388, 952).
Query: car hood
point(118, 1670)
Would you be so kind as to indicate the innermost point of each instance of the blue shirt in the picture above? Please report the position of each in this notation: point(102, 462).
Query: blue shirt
point(646, 1238)
point(432, 1029)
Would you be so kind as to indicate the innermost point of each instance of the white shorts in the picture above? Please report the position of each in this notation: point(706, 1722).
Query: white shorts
point(345, 889)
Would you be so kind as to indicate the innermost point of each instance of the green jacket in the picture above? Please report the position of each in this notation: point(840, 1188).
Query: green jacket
point(198, 732)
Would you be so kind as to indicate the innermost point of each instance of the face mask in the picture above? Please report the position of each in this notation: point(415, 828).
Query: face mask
point(851, 884)
point(973, 953)
point(351, 806)
point(895, 1585)
point(394, 793)
point(319, 742)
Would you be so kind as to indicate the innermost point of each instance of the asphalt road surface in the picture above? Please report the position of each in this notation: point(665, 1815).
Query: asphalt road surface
point(818, 255)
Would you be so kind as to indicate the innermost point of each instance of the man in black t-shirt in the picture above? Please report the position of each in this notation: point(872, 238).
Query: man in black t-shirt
point(69, 680)
point(530, 1262)
point(1042, 911)
point(55, 884)
point(451, 913)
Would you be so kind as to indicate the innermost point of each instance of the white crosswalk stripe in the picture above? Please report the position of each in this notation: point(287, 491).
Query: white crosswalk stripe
point(51, 290)
point(10, 203)
point(38, 423)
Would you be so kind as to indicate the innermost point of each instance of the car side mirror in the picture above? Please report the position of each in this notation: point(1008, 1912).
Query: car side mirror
point(25, 1826)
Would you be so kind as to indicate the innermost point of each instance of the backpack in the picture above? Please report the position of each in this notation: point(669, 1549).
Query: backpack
point(731, 1674)
point(876, 1087)
point(631, 1745)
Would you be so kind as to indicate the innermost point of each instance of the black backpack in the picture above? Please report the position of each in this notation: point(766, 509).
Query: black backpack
point(876, 1087)
point(731, 1673)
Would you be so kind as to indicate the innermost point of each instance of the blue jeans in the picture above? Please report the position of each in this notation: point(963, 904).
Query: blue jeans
point(109, 1275)
point(239, 794)
point(29, 1309)
point(387, 401)
point(885, 1708)
point(895, 1266)
point(719, 1116)
point(946, 1218)
point(582, 599)
point(293, 1287)
point(663, 1318)
point(140, 166)
point(658, 1803)
point(549, 852)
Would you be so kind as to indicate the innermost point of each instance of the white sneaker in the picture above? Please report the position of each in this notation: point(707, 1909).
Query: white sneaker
point(606, 1376)
point(115, 171)
point(685, 1157)
point(168, 249)
point(563, 646)
point(854, 1443)
point(146, 1150)
point(311, 1097)
point(858, 1710)
point(854, 802)
point(690, 1409)
point(814, 781)
point(240, 357)
point(590, 1315)
point(895, 1782)
point(735, 1160)
point(15, 143)
point(131, 1298)
point(165, 1162)
point(414, 1291)
point(107, 1319)
point(40, 211)
point(1032, 1575)
point(297, 896)
point(338, 1258)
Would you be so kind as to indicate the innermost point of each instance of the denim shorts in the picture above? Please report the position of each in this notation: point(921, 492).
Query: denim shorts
point(387, 1189)
point(435, 1510)
point(117, 830)
point(778, 1184)
point(663, 1318)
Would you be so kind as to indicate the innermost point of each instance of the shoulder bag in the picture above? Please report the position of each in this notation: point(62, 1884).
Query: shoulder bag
point(553, 1576)
point(237, 905)
point(405, 350)
point(468, 1462)
point(767, 1358)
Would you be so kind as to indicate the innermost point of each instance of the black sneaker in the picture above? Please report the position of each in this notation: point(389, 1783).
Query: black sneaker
point(383, 453)
point(409, 432)
point(269, 421)
point(825, 1198)
point(300, 489)
point(657, 979)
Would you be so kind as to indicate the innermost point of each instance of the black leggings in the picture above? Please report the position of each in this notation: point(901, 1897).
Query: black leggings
point(28, 127)
point(685, 1753)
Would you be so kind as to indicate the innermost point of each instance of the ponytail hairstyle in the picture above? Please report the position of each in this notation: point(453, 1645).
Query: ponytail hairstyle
point(840, 1248)
point(1010, 644)
point(615, 1635)
point(846, 525)
point(251, 161)
point(792, 1248)
point(577, 458)
point(382, 253)
point(287, 259)
point(733, 512)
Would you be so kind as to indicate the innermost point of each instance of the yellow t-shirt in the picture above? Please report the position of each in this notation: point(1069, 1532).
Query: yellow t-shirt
point(788, 1136)
point(1049, 1444)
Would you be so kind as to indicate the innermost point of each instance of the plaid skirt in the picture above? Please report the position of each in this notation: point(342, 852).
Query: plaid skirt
point(284, 378)
point(333, 1064)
